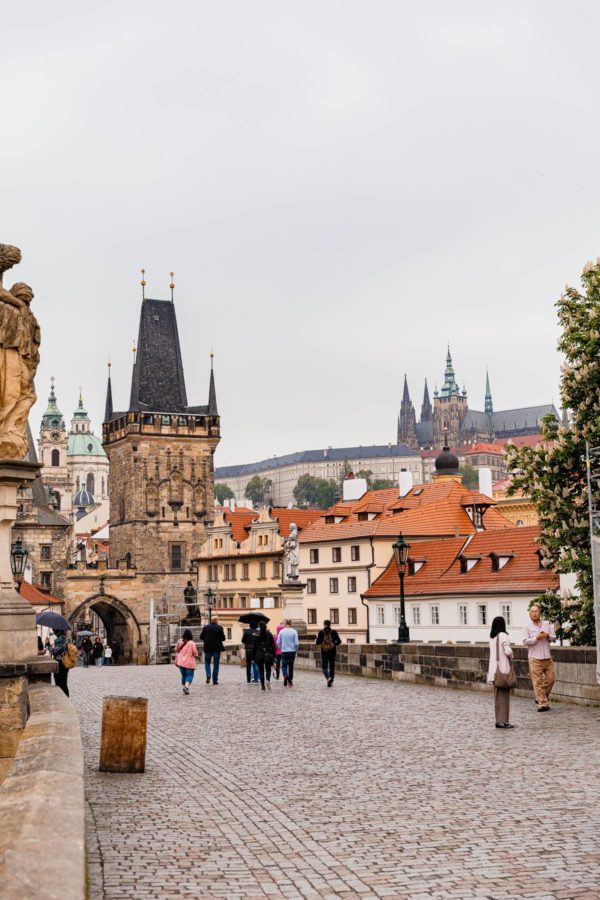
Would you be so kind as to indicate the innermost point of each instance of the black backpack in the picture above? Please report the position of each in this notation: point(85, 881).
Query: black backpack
point(328, 644)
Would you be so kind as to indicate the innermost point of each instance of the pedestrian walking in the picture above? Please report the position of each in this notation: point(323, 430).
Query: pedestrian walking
point(264, 654)
point(328, 640)
point(108, 655)
point(213, 636)
point(287, 641)
point(98, 651)
point(537, 635)
point(87, 649)
point(65, 654)
point(279, 628)
point(500, 672)
point(248, 638)
point(185, 659)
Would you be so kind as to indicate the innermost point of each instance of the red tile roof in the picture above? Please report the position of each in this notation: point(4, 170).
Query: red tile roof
point(441, 573)
point(526, 440)
point(242, 518)
point(466, 449)
point(36, 597)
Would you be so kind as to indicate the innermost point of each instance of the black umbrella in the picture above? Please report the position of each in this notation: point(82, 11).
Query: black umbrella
point(53, 620)
point(253, 618)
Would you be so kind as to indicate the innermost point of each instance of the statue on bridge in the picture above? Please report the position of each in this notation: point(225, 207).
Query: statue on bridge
point(19, 358)
point(291, 561)
point(190, 597)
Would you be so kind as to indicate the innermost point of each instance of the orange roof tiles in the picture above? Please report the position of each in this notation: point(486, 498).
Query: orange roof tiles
point(441, 572)
point(526, 440)
point(242, 518)
point(36, 597)
point(466, 449)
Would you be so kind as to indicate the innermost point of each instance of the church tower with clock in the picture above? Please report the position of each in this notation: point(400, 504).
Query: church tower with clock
point(52, 446)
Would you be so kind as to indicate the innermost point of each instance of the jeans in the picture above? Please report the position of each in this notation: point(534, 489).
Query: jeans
point(98, 660)
point(60, 678)
point(264, 667)
point(287, 665)
point(252, 673)
point(86, 660)
point(187, 675)
point(328, 664)
point(214, 656)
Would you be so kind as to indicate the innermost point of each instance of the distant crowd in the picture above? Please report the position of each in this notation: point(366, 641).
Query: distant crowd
point(90, 649)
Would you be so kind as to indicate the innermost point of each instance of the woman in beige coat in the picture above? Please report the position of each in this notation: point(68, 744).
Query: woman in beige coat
point(500, 657)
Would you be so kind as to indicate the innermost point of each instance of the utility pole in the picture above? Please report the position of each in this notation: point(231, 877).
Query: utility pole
point(593, 453)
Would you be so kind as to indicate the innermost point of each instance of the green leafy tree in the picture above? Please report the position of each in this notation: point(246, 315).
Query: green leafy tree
point(223, 492)
point(316, 492)
point(564, 613)
point(258, 490)
point(470, 477)
point(380, 484)
point(554, 473)
point(367, 474)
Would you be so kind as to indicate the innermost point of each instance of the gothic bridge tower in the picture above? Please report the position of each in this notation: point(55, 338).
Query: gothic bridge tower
point(161, 454)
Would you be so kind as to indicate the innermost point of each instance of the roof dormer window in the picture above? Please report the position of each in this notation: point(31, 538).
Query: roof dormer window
point(467, 563)
point(329, 520)
point(362, 516)
point(415, 565)
point(499, 560)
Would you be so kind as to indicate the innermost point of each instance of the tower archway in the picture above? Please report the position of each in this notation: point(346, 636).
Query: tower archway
point(119, 621)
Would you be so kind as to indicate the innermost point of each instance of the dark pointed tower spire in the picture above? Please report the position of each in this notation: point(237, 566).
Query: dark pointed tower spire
point(108, 409)
point(405, 393)
point(212, 392)
point(426, 409)
point(158, 383)
point(489, 406)
point(407, 421)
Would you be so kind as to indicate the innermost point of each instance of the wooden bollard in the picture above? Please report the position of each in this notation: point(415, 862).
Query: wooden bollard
point(123, 742)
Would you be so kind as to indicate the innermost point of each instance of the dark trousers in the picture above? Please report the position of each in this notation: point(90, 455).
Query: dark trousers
point(287, 665)
point(86, 660)
point(60, 678)
point(262, 668)
point(502, 705)
point(249, 662)
point(328, 664)
point(277, 666)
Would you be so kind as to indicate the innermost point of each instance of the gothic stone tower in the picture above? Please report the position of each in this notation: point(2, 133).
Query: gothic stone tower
point(161, 455)
point(407, 420)
point(449, 409)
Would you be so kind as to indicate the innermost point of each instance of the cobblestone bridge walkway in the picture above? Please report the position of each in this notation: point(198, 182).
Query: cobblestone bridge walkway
point(370, 789)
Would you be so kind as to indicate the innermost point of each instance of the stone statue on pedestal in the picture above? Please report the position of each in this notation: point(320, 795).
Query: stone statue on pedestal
point(19, 358)
point(190, 597)
point(291, 561)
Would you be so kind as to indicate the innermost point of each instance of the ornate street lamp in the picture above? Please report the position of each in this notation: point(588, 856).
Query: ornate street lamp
point(18, 561)
point(210, 600)
point(401, 549)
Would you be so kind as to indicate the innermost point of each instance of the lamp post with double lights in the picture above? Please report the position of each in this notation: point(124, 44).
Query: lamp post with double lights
point(210, 600)
point(18, 561)
point(401, 549)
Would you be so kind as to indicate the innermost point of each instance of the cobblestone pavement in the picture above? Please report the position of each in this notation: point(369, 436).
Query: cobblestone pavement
point(370, 789)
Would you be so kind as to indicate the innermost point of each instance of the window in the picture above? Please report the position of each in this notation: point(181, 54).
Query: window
point(463, 614)
point(336, 554)
point(505, 612)
point(90, 484)
point(380, 615)
point(333, 586)
point(226, 572)
point(352, 615)
point(351, 584)
point(311, 616)
point(275, 568)
point(396, 615)
point(245, 575)
point(46, 551)
point(46, 580)
point(311, 585)
point(416, 615)
point(314, 557)
point(350, 641)
point(229, 634)
point(355, 553)
point(233, 572)
point(56, 457)
point(243, 602)
point(262, 570)
point(362, 516)
point(482, 613)
point(519, 523)
point(434, 612)
point(334, 616)
point(177, 557)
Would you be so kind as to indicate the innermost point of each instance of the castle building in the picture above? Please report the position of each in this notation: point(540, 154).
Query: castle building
point(451, 420)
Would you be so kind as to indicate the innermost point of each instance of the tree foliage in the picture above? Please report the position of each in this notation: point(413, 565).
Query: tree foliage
point(553, 474)
point(258, 490)
point(470, 477)
point(315, 492)
point(380, 484)
point(565, 613)
point(223, 492)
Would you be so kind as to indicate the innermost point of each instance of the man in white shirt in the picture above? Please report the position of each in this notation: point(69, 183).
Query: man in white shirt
point(537, 635)
point(287, 641)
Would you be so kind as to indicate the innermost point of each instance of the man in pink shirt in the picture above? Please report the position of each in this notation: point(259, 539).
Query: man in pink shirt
point(537, 635)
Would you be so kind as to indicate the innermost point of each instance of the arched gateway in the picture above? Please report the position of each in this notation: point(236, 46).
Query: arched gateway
point(119, 621)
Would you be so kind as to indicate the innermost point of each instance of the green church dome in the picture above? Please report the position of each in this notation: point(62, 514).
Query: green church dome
point(83, 444)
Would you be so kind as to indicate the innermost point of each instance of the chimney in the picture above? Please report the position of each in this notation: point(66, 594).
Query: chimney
point(354, 488)
point(405, 481)
point(485, 482)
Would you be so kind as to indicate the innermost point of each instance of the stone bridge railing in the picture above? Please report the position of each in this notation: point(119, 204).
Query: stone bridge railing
point(461, 666)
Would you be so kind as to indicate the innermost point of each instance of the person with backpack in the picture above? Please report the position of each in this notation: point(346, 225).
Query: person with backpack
point(65, 654)
point(328, 640)
point(288, 642)
point(264, 653)
point(87, 648)
point(185, 659)
point(248, 639)
point(213, 638)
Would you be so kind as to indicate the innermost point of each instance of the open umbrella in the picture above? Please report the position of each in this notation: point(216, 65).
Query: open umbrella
point(253, 618)
point(53, 620)
point(85, 633)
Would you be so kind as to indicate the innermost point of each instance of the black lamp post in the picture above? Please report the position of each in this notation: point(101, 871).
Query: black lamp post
point(18, 561)
point(210, 600)
point(401, 549)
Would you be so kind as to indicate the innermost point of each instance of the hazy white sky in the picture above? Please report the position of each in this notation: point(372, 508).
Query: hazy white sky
point(340, 186)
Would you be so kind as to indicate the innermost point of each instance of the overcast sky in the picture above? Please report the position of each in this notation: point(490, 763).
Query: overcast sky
point(341, 188)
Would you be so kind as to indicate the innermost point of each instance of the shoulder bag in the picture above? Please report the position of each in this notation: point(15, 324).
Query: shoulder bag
point(503, 680)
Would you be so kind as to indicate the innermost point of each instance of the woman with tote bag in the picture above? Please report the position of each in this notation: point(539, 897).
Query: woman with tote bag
point(500, 671)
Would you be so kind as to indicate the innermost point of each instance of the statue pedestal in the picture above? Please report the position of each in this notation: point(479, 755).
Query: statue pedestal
point(292, 596)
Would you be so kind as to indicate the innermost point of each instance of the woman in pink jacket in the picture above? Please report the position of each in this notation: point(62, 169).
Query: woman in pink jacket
point(500, 658)
point(187, 652)
point(278, 651)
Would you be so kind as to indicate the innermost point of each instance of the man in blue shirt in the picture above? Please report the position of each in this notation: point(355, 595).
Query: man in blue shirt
point(287, 641)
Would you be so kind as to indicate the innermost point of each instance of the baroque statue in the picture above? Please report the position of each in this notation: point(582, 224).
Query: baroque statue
point(19, 358)
point(190, 597)
point(291, 560)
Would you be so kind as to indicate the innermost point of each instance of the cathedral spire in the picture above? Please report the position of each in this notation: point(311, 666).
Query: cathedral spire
point(108, 409)
point(449, 388)
point(212, 392)
point(407, 420)
point(157, 382)
point(426, 410)
point(405, 393)
point(489, 406)
point(53, 413)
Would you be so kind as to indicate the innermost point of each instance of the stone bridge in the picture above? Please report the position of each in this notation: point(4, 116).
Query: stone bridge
point(369, 789)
